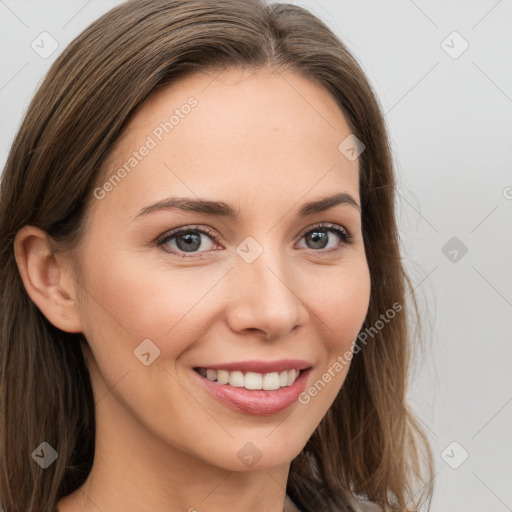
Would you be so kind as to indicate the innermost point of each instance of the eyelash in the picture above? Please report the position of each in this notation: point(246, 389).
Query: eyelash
point(343, 234)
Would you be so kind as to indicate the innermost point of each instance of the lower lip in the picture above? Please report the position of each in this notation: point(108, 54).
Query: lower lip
point(258, 401)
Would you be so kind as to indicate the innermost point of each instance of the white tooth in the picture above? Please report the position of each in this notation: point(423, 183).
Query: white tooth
point(271, 381)
point(236, 379)
point(253, 380)
point(222, 377)
point(292, 375)
point(211, 374)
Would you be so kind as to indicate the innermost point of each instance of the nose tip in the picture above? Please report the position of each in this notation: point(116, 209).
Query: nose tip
point(265, 300)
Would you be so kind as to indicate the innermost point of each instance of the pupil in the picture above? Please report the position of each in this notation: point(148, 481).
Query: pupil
point(192, 242)
point(320, 238)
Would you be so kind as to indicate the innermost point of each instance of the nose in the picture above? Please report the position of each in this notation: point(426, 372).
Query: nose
point(263, 297)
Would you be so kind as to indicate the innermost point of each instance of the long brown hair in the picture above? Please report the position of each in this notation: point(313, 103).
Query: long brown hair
point(369, 443)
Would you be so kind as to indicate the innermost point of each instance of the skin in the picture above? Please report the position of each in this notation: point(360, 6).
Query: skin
point(264, 143)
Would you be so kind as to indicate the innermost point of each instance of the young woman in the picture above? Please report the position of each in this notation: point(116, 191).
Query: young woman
point(203, 302)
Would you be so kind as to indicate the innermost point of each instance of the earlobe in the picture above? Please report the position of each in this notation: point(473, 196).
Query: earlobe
point(49, 284)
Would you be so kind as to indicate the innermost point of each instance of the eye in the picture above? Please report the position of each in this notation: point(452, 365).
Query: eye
point(190, 239)
point(319, 239)
point(186, 239)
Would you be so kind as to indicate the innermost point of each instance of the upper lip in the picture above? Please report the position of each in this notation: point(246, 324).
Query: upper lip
point(260, 366)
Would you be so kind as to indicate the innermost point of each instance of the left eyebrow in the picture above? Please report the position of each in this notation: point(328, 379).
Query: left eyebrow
point(325, 203)
point(221, 209)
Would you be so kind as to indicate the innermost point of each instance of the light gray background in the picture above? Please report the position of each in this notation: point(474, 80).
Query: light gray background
point(450, 124)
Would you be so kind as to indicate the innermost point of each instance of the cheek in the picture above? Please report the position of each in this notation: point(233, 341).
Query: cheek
point(131, 302)
point(340, 313)
point(342, 304)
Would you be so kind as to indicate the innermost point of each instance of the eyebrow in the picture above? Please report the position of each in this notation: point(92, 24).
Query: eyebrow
point(221, 209)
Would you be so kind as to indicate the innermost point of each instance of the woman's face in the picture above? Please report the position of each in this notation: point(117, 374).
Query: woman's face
point(272, 282)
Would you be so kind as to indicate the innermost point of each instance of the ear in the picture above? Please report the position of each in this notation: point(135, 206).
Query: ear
point(50, 286)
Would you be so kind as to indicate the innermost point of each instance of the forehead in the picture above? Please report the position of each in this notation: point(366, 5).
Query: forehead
point(226, 133)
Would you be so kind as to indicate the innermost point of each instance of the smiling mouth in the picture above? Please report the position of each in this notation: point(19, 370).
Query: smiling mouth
point(251, 380)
